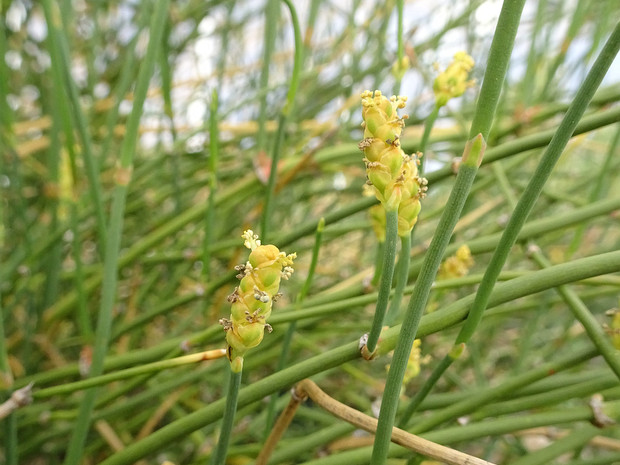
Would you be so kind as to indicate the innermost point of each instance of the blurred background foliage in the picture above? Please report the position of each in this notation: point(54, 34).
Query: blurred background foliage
point(168, 295)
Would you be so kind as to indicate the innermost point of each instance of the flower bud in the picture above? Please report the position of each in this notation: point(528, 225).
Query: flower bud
point(453, 81)
point(252, 301)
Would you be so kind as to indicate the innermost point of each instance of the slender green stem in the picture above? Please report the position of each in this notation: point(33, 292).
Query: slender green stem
point(385, 286)
point(210, 212)
point(577, 21)
point(426, 388)
point(538, 180)
point(417, 303)
point(572, 442)
point(282, 120)
point(400, 54)
point(11, 456)
point(428, 127)
point(107, 378)
point(472, 402)
point(83, 316)
point(166, 87)
point(399, 35)
point(379, 252)
point(108, 295)
point(497, 65)
point(523, 208)
point(219, 455)
point(60, 52)
point(402, 273)
point(499, 57)
point(584, 316)
point(271, 20)
point(597, 190)
point(288, 337)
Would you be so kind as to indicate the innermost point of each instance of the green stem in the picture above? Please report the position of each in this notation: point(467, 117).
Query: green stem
point(499, 57)
point(428, 127)
point(426, 388)
point(538, 180)
point(219, 455)
point(525, 205)
point(210, 213)
point(422, 289)
point(474, 401)
point(60, 53)
point(107, 378)
point(402, 273)
point(401, 49)
point(6, 374)
point(379, 252)
point(577, 439)
point(596, 191)
point(166, 89)
point(271, 20)
point(108, 293)
point(584, 316)
point(385, 286)
point(288, 337)
point(282, 120)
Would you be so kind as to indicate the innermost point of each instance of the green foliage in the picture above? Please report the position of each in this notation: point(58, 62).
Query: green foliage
point(137, 141)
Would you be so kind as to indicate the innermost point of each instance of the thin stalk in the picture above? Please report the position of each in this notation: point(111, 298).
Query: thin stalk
point(595, 193)
point(538, 180)
point(525, 90)
point(6, 374)
point(210, 212)
point(401, 49)
point(282, 120)
point(166, 89)
point(592, 326)
point(379, 252)
point(123, 177)
point(60, 53)
point(422, 289)
point(385, 285)
point(400, 54)
point(288, 337)
point(428, 127)
point(271, 20)
point(499, 57)
point(577, 439)
point(148, 368)
point(83, 316)
point(577, 21)
point(525, 205)
point(484, 397)
point(402, 273)
point(608, 459)
point(234, 381)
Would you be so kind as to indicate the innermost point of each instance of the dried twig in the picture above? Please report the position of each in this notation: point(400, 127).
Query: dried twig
point(19, 398)
point(307, 388)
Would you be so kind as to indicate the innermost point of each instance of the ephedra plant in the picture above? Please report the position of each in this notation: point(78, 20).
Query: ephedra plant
point(463, 312)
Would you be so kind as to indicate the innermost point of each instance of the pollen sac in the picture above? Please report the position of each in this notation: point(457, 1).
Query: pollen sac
point(251, 302)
